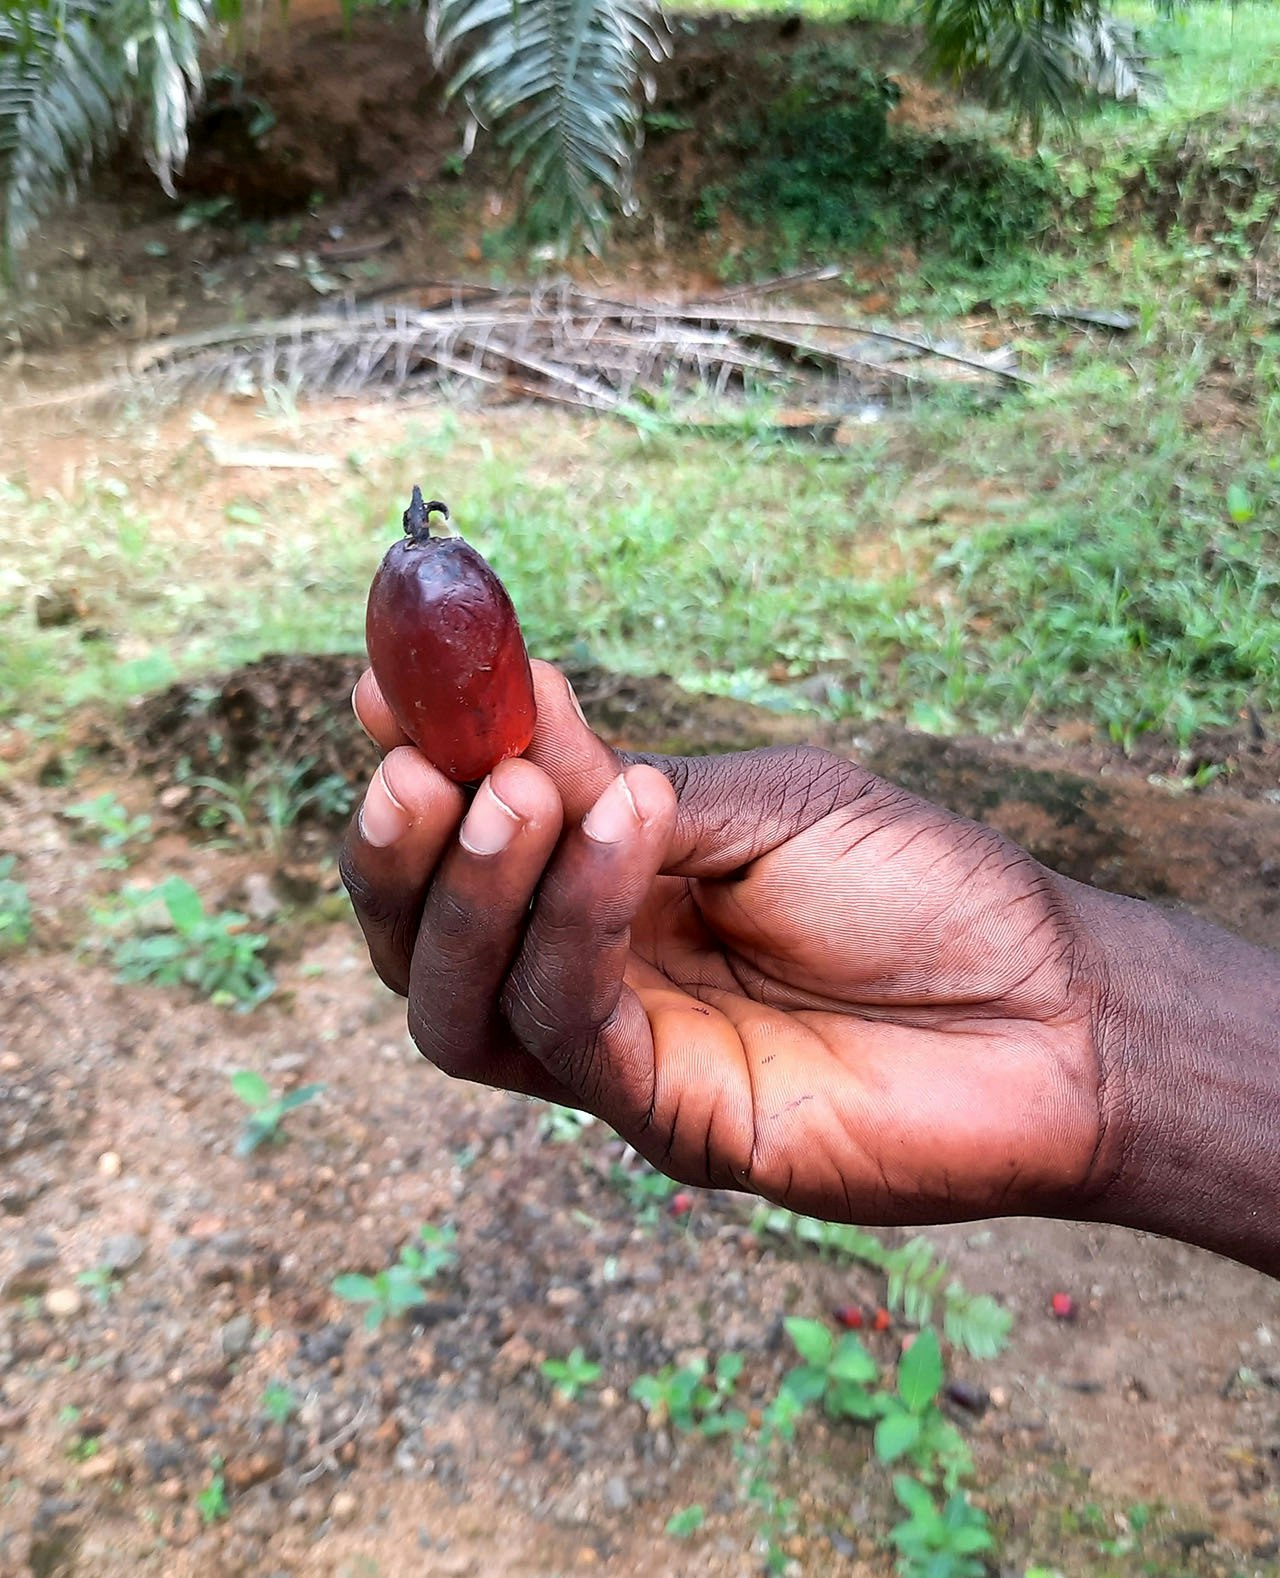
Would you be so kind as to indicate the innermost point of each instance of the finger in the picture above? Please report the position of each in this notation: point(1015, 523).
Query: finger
point(577, 761)
point(374, 715)
point(565, 999)
point(406, 821)
point(471, 929)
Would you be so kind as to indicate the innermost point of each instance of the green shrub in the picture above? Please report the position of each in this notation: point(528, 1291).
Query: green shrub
point(822, 171)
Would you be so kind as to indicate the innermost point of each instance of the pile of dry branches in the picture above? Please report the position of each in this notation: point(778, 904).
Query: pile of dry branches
point(558, 343)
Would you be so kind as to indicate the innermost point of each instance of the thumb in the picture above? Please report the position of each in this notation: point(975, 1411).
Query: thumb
point(731, 810)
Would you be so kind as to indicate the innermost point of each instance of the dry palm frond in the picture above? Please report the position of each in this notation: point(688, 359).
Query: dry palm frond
point(555, 343)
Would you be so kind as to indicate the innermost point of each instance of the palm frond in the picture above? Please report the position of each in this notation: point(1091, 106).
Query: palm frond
point(159, 41)
point(1038, 57)
point(1112, 63)
point(58, 100)
point(562, 83)
point(71, 75)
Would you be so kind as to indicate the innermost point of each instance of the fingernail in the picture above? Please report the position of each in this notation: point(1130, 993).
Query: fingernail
point(614, 814)
point(356, 709)
point(490, 824)
point(382, 818)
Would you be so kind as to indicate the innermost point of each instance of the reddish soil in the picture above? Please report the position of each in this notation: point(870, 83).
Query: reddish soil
point(433, 1446)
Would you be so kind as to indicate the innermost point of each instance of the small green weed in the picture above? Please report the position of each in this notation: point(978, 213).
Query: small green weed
point(15, 908)
point(933, 1543)
point(572, 1375)
point(1133, 1523)
point(692, 1400)
point(563, 1125)
point(264, 1125)
point(263, 807)
point(914, 1277)
point(402, 1286)
point(207, 211)
point(81, 1448)
point(117, 832)
point(278, 1404)
point(645, 1190)
point(211, 1503)
point(165, 936)
point(682, 1524)
point(841, 1375)
point(101, 1283)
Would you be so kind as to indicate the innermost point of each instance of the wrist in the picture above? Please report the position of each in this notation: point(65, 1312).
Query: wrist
point(1187, 1031)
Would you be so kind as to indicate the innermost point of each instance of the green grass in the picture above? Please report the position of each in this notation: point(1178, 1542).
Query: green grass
point(1072, 553)
point(1209, 54)
point(1107, 547)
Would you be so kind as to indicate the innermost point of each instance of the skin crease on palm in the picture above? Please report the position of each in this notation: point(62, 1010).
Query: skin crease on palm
point(783, 975)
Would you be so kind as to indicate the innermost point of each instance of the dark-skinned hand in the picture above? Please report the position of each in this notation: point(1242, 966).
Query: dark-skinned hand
point(770, 971)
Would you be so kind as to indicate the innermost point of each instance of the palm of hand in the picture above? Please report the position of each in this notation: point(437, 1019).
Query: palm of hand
point(879, 1020)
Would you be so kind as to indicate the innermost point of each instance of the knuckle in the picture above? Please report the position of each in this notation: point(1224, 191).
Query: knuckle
point(389, 928)
point(443, 1051)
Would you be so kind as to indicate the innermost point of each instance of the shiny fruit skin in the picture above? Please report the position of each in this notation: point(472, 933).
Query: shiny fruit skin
point(447, 652)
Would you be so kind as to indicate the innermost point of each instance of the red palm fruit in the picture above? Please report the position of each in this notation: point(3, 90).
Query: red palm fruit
point(447, 652)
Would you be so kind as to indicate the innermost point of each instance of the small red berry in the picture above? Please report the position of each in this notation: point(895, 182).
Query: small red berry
point(908, 1342)
point(1063, 1306)
point(882, 1320)
point(850, 1316)
point(681, 1204)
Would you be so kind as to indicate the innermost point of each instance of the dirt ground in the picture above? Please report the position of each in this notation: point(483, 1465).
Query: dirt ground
point(433, 1446)
point(117, 1146)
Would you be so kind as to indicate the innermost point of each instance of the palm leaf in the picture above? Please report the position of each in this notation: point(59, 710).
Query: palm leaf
point(160, 42)
point(70, 74)
point(562, 83)
point(58, 98)
point(1037, 57)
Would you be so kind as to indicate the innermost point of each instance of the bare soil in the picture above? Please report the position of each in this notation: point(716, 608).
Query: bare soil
point(433, 1446)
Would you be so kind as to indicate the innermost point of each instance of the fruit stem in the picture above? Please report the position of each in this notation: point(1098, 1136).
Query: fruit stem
point(417, 518)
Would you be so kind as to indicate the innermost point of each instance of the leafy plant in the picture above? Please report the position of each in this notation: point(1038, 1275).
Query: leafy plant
point(116, 829)
point(81, 1448)
point(166, 936)
point(211, 1503)
point(680, 1525)
point(278, 1404)
point(692, 1400)
point(273, 797)
point(563, 1125)
point(570, 1376)
point(402, 1286)
point(843, 1378)
point(561, 81)
point(15, 907)
point(914, 1278)
point(935, 1543)
point(101, 1283)
point(1038, 57)
point(756, 1452)
point(70, 73)
point(645, 1189)
point(266, 1110)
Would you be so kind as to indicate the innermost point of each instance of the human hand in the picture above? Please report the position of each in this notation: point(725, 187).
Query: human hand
point(769, 971)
